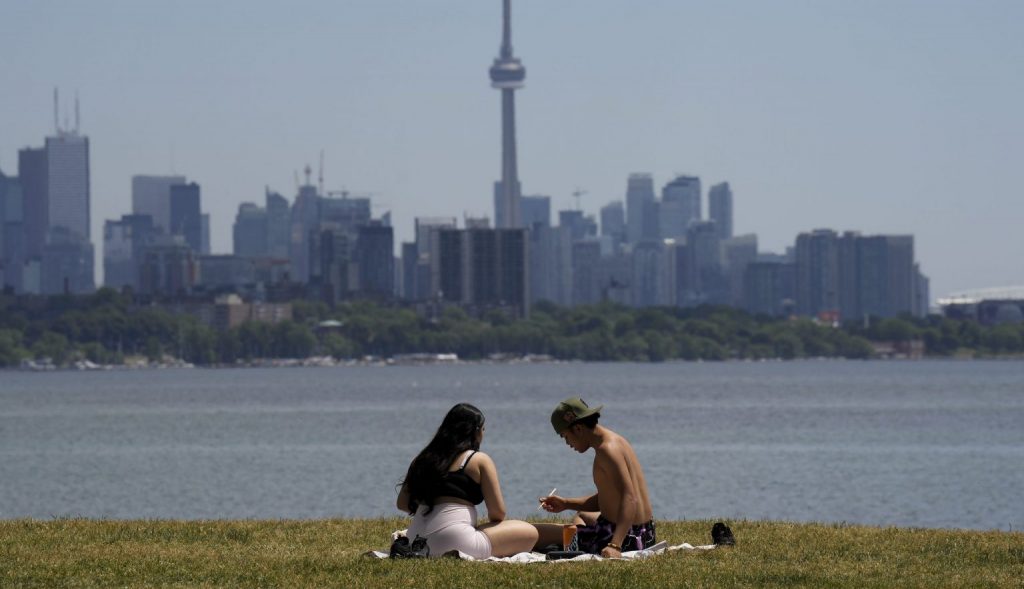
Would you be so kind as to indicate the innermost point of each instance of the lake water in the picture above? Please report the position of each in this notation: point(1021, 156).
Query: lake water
point(929, 444)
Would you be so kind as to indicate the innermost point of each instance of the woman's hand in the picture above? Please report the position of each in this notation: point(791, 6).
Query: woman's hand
point(554, 503)
point(611, 552)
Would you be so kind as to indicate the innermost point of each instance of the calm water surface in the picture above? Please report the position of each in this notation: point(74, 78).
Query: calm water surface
point(931, 444)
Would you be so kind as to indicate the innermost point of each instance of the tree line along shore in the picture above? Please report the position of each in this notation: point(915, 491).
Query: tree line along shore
point(105, 328)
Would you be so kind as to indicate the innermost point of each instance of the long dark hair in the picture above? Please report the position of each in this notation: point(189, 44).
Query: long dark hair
point(458, 433)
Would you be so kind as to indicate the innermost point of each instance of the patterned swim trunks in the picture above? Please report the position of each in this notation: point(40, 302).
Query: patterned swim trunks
point(593, 538)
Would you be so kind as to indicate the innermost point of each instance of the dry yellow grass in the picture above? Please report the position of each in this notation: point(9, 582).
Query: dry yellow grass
point(328, 553)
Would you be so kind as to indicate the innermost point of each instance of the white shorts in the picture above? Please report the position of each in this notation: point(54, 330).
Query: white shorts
point(450, 526)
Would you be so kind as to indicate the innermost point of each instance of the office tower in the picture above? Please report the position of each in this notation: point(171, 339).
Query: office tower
point(720, 208)
point(303, 219)
point(67, 162)
point(277, 225)
point(33, 173)
point(641, 220)
point(613, 222)
point(737, 253)
point(578, 225)
point(374, 253)
point(614, 278)
point(224, 273)
point(551, 265)
point(586, 255)
point(346, 213)
point(648, 279)
point(817, 274)
point(680, 206)
point(331, 267)
point(168, 267)
point(507, 74)
point(429, 254)
point(705, 282)
point(204, 234)
point(921, 292)
point(67, 263)
point(886, 275)
point(250, 233)
point(124, 241)
point(485, 269)
point(769, 288)
point(535, 210)
point(12, 233)
point(186, 218)
point(151, 195)
point(410, 256)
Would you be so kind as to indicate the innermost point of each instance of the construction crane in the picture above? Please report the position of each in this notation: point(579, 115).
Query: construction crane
point(576, 194)
point(320, 189)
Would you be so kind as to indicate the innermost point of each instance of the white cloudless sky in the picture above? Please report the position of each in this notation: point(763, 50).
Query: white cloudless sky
point(894, 116)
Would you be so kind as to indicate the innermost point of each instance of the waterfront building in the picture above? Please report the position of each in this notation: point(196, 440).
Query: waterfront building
point(989, 306)
point(817, 274)
point(769, 288)
point(720, 209)
point(705, 282)
point(485, 269)
point(374, 254)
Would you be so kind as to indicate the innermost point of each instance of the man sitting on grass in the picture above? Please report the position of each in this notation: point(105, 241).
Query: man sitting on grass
point(618, 516)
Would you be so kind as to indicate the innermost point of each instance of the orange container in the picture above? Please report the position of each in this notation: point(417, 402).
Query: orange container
point(568, 532)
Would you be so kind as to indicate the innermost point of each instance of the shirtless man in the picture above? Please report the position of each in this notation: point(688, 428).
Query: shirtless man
point(618, 516)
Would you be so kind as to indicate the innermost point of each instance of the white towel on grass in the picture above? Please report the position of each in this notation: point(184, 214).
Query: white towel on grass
point(531, 557)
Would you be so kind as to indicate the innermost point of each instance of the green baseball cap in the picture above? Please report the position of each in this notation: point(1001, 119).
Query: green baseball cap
point(570, 411)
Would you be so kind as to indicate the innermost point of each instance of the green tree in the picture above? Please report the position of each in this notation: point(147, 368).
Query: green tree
point(11, 351)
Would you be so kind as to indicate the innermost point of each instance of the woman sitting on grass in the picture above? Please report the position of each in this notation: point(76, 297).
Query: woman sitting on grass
point(445, 483)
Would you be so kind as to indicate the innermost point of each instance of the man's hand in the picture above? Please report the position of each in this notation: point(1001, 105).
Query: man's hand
point(611, 552)
point(554, 504)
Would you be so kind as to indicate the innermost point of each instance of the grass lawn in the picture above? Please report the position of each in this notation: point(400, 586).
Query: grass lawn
point(328, 553)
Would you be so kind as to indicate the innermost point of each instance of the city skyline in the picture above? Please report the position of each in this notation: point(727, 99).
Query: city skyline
point(909, 128)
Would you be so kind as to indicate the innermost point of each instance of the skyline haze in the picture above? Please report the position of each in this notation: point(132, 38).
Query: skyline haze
point(899, 118)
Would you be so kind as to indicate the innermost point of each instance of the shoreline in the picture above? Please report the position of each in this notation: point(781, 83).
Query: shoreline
point(329, 362)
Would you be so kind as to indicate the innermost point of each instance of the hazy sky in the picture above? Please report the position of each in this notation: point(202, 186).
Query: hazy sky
point(880, 116)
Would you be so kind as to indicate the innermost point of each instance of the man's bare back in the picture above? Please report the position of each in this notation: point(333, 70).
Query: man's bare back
point(612, 450)
point(619, 514)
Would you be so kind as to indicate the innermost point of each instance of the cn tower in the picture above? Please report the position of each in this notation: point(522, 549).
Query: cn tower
point(507, 75)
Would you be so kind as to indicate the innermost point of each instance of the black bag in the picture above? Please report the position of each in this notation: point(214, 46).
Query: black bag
point(401, 548)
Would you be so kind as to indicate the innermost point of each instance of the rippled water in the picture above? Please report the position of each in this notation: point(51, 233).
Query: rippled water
point(931, 444)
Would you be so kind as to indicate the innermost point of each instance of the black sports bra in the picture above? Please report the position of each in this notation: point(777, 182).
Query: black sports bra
point(457, 484)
